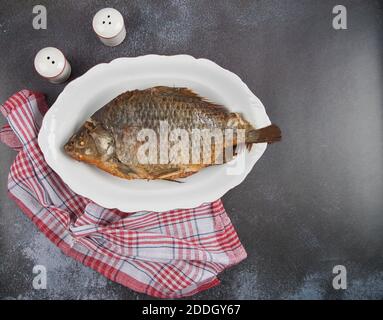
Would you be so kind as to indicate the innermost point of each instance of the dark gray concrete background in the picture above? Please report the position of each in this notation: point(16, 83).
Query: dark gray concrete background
point(312, 202)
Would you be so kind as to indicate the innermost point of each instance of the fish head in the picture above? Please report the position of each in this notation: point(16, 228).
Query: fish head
point(91, 142)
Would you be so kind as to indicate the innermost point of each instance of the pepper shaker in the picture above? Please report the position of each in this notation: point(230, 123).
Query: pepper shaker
point(51, 64)
point(108, 24)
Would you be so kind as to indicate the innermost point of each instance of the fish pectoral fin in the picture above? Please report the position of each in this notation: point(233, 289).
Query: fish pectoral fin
point(165, 174)
point(181, 172)
point(132, 171)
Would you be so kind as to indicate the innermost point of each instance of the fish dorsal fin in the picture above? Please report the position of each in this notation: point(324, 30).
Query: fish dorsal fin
point(182, 91)
point(175, 91)
point(189, 92)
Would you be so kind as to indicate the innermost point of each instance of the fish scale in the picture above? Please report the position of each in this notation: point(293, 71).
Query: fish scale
point(109, 139)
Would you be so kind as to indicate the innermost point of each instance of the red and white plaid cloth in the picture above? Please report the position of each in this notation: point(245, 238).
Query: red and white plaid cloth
point(163, 254)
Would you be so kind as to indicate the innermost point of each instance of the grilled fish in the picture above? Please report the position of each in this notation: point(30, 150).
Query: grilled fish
point(116, 137)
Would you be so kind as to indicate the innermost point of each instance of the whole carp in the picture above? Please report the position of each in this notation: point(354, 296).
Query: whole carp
point(163, 133)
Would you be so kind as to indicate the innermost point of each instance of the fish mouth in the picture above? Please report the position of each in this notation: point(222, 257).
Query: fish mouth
point(70, 150)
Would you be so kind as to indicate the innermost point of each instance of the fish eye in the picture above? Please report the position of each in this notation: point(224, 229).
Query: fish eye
point(80, 143)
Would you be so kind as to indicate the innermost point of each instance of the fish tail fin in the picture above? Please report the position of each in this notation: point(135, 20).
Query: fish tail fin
point(269, 134)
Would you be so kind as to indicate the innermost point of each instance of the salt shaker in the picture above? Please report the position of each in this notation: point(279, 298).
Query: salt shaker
point(51, 64)
point(108, 24)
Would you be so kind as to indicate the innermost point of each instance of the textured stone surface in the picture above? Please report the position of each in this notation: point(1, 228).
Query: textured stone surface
point(312, 201)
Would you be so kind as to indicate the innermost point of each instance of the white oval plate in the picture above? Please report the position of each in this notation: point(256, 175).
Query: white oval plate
point(83, 96)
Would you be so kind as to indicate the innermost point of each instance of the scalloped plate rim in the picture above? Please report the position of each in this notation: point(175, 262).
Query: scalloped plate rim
point(189, 202)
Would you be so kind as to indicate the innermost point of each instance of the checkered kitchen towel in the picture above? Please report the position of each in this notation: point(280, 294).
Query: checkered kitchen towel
point(163, 254)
